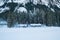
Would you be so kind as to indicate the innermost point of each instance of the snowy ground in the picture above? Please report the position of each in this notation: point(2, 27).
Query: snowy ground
point(3, 24)
point(29, 33)
point(37, 33)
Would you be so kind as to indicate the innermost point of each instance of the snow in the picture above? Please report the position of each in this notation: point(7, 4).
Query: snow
point(59, 1)
point(4, 9)
point(29, 33)
point(45, 2)
point(22, 9)
point(20, 25)
point(9, 1)
point(34, 25)
point(3, 26)
point(1, 2)
point(35, 2)
point(52, 10)
point(20, 1)
point(42, 33)
point(3, 22)
point(58, 5)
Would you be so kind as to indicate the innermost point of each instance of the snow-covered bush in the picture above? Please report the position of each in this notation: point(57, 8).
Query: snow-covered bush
point(21, 9)
point(22, 15)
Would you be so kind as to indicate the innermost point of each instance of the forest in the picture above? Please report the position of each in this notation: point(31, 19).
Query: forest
point(34, 14)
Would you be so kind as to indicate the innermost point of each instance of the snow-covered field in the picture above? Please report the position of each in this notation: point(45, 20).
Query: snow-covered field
point(37, 33)
point(29, 33)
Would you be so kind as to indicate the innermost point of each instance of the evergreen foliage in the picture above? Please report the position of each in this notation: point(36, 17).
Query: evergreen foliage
point(36, 14)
